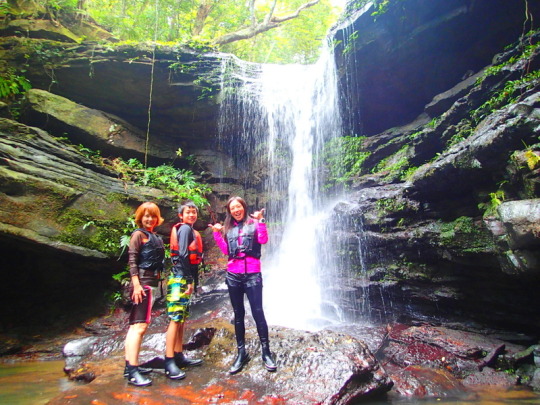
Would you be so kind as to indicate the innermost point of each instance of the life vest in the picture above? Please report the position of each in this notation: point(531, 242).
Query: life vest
point(152, 252)
point(195, 247)
point(249, 247)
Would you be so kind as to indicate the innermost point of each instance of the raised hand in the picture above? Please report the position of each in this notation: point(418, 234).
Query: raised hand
point(217, 227)
point(258, 214)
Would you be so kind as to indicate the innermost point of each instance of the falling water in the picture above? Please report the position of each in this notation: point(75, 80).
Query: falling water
point(280, 117)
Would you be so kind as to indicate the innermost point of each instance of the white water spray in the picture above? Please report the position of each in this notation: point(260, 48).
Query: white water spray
point(293, 110)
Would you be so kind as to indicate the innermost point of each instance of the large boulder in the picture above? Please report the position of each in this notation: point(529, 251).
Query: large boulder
point(522, 222)
point(92, 128)
point(61, 219)
point(313, 367)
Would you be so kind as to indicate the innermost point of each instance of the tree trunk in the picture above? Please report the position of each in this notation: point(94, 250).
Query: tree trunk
point(205, 7)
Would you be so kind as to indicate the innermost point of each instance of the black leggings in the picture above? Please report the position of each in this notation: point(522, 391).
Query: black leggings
point(251, 285)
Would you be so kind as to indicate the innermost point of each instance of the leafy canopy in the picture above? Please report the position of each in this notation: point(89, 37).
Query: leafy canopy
point(273, 31)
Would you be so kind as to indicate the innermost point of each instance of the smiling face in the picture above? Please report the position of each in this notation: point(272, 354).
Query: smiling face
point(149, 221)
point(237, 210)
point(189, 215)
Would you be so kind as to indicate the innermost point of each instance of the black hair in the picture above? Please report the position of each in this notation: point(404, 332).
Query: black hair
point(187, 204)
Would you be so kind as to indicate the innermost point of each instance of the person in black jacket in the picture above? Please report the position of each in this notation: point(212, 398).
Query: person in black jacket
point(145, 257)
point(180, 287)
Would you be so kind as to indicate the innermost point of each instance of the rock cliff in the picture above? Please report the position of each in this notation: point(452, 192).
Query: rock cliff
point(442, 217)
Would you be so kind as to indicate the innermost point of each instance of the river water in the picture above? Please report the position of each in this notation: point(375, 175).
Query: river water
point(37, 383)
point(32, 382)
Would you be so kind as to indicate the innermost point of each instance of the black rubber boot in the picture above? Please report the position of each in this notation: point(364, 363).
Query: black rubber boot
point(183, 361)
point(241, 359)
point(135, 377)
point(267, 357)
point(142, 370)
point(171, 369)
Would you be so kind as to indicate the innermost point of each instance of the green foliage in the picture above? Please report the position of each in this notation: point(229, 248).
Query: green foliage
point(408, 173)
point(526, 53)
point(386, 206)
point(343, 157)
point(47, 53)
point(464, 129)
point(433, 123)
point(201, 45)
point(181, 184)
point(67, 6)
point(495, 199)
point(396, 166)
point(81, 229)
point(12, 84)
point(122, 277)
point(296, 40)
point(460, 225)
point(94, 155)
point(533, 160)
point(4, 8)
point(507, 95)
point(465, 235)
point(129, 227)
point(351, 40)
point(414, 135)
point(381, 7)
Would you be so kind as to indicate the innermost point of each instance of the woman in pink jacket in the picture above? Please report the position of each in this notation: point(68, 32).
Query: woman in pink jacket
point(241, 238)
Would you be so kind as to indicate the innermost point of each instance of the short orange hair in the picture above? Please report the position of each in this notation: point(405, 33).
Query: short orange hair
point(152, 209)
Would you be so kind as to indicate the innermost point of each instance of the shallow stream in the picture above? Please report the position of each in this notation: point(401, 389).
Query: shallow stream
point(38, 382)
point(32, 382)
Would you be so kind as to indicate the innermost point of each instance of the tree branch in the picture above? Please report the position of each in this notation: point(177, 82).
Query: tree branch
point(270, 13)
point(245, 33)
point(268, 23)
point(295, 14)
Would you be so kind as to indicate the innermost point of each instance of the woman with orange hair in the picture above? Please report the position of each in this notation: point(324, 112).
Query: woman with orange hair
point(146, 259)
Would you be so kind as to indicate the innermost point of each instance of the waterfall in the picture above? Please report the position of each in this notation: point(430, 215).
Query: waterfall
point(278, 117)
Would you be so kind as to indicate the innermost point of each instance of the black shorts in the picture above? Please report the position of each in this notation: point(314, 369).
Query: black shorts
point(244, 280)
point(142, 312)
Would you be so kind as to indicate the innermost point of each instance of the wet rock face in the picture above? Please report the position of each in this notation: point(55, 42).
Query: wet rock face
point(455, 238)
point(341, 365)
point(55, 207)
point(169, 92)
point(325, 367)
point(93, 128)
point(400, 59)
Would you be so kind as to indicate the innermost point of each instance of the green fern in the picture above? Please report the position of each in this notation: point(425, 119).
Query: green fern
point(12, 85)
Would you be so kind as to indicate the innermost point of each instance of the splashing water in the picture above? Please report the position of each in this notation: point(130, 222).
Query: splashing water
point(288, 113)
